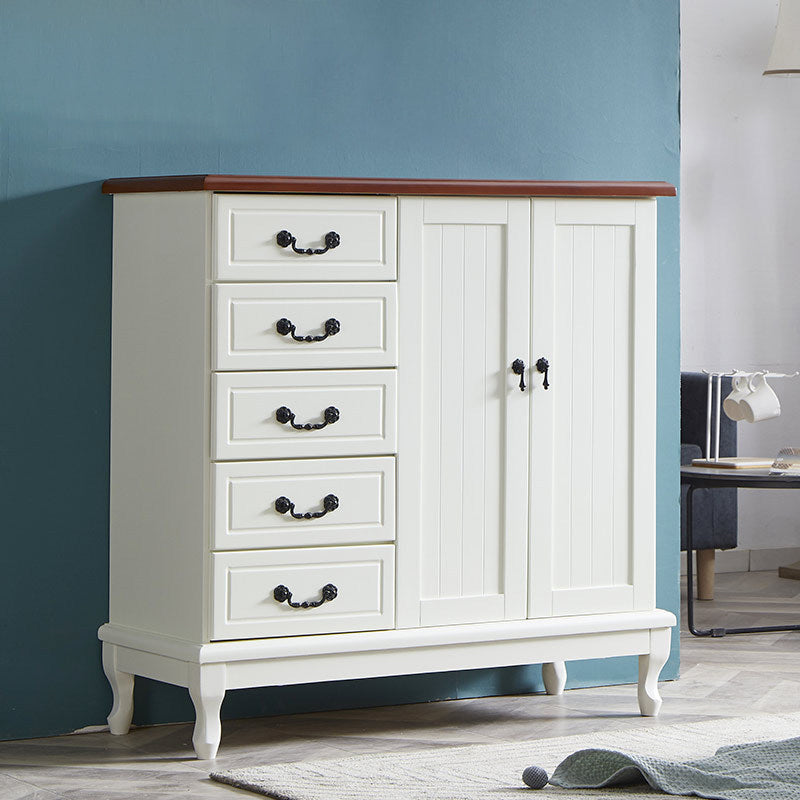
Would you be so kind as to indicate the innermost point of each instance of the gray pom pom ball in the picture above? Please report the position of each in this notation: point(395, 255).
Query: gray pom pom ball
point(535, 777)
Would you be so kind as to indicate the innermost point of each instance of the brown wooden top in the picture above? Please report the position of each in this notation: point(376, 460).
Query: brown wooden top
point(413, 186)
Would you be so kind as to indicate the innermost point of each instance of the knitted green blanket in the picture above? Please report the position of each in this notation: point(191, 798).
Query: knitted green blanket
point(753, 771)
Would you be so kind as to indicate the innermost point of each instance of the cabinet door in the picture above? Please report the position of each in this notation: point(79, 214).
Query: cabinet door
point(592, 512)
point(463, 465)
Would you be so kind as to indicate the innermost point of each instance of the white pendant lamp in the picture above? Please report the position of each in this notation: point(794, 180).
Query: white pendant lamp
point(785, 56)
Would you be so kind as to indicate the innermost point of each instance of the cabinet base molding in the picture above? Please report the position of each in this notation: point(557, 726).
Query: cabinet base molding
point(208, 670)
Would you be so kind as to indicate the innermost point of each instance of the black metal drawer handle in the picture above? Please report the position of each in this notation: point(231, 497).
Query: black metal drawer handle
point(329, 503)
point(518, 368)
point(330, 415)
point(286, 326)
point(284, 239)
point(543, 365)
point(282, 594)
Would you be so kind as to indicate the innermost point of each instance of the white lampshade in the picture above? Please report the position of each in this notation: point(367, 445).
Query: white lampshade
point(785, 56)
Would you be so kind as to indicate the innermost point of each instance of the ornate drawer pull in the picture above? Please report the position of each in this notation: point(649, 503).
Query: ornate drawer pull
point(282, 594)
point(286, 326)
point(543, 365)
point(518, 368)
point(284, 415)
point(329, 503)
point(332, 240)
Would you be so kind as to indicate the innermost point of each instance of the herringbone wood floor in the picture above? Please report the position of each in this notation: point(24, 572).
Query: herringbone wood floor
point(729, 677)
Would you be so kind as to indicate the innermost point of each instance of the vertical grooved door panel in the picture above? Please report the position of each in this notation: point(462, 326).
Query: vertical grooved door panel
point(592, 431)
point(467, 510)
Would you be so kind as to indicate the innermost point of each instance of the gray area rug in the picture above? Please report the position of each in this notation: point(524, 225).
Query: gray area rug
point(493, 772)
point(755, 771)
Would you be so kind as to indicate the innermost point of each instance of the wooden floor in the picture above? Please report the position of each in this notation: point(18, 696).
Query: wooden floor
point(728, 677)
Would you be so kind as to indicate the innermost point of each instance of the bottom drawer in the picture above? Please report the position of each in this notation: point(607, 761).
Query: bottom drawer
point(248, 603)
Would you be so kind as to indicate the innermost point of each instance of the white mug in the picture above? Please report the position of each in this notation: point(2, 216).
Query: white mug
point(732, 404)
point(762, 402)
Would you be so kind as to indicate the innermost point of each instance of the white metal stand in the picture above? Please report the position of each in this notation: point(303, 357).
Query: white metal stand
point(713, 416)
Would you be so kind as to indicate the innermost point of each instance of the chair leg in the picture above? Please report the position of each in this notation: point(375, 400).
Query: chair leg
point(705, 574)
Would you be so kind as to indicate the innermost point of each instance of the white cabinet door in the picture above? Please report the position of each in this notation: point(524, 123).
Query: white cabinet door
point(463, 421)
point(592, 502)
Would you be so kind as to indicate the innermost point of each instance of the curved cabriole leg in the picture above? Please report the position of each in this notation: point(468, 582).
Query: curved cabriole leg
point(650, 665)
point(207, 690)
point(554, 675)
point(119, 720)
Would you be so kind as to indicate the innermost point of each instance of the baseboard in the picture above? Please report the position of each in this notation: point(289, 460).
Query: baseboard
point(772, 559)
point(740, 560)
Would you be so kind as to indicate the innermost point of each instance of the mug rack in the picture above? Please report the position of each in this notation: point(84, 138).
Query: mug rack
point(713, 415)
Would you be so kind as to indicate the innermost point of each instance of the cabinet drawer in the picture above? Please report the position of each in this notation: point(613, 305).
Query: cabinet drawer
point(247, 228)
point(256, 325)
point(245, 605)
point(248, 514)
point(353, 411)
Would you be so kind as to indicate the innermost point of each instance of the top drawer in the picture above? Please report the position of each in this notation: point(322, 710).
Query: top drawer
point(247, 227)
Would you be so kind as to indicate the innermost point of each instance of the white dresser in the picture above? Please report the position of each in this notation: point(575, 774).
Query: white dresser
point(370, 427)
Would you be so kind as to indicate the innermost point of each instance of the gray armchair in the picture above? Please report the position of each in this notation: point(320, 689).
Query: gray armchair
point(715, 510)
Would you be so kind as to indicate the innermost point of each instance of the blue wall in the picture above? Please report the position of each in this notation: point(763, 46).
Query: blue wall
point(90, 89)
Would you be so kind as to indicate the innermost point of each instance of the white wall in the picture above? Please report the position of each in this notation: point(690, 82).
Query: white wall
point(740, 228)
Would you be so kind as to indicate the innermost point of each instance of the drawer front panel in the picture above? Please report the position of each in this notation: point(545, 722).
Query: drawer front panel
point(249, 405)
point(245, 606)
point(247, 514)
point(247, 228)
point(251, 329)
